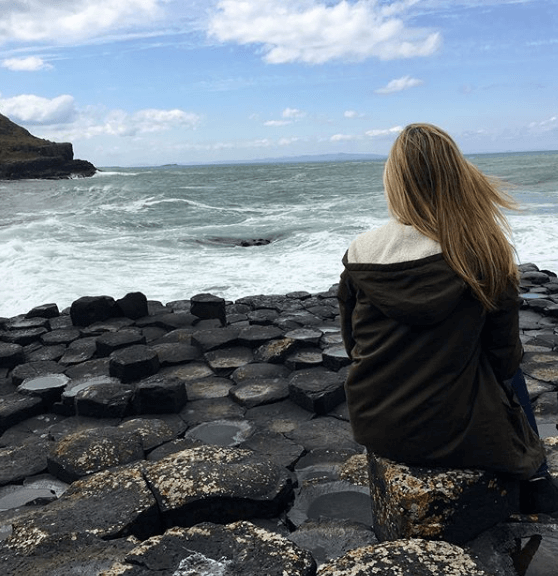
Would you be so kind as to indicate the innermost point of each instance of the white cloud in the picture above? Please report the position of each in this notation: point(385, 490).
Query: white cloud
point(277, 122)
point(403, 83)
point(287, 141)
point(71, 20)
point(384, 132)
point(29, 64)
point(351, 114)
point(293, 113)
point(31, 109)
point(316, 32)
point(342, 137)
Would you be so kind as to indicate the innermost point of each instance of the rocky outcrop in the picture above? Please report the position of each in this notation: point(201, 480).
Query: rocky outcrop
point(23, 156)
point(237, 452)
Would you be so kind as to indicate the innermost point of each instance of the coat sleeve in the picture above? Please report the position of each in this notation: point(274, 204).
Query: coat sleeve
point(347, 299)
point(500, 336)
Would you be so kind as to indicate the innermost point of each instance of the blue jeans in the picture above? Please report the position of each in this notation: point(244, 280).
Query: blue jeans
point(520, 388)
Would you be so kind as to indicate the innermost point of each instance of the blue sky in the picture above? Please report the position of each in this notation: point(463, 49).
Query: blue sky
point(148, 82)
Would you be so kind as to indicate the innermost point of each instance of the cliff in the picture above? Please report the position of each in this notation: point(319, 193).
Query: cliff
point(23, 155)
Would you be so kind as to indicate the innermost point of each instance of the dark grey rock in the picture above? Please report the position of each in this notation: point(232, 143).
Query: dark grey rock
point(406, 558)
point(208, 306)
point(257, 392)
point(275, 351)
point(255, 335)
point(133, 305)
point(42, 353)
point(104, 400)
point(322, 433)
point(281, 417)
point(48, 388)
point(89, 309)
point(68, 396)
point(61, 336)
point(305, 358)
point(274, 446)
point(175, 353)
point(242, 549)
point(159, 394)
point(23, 336)
point(208, 340)
point(67, 555)
point(262, 317)
point(89, 451)
point(221, 432)
point(242, 485)
point(189, 372)
point(327, 539)
point(259, 370)
point(109, 504)
point(74, 424)
point(35, 369)
point(333, 500)
point(225, 360)
point(11, 355)
point(200, 411)
point(316, 390)
point(15, 408)
point(44, 311)
point(208, 388)
point(107, 343)
point(335, 357)
point(305, 336)
point(89, 369)
point(27, 459)
point(133, 363)
point(153, 432)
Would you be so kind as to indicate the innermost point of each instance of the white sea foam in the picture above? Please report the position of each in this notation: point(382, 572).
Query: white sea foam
point(65, 239)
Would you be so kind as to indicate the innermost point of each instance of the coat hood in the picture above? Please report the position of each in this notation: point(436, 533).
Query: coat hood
point(404, 274)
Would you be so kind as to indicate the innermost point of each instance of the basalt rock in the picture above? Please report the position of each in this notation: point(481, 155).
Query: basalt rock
point(285, 446)
point(22, 155)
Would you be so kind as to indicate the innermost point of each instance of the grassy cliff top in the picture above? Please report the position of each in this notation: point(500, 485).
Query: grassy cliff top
point(16, 143)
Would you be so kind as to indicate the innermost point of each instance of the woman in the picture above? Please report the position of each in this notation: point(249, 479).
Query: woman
point(429, 309)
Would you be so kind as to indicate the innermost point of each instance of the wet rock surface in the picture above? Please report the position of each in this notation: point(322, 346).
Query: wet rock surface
point(219, 433)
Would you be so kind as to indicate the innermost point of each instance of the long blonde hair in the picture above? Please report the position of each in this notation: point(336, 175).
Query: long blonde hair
point(432, 187)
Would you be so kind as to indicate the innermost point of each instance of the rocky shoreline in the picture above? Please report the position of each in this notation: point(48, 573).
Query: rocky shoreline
point(24, 156)
point(210, 437)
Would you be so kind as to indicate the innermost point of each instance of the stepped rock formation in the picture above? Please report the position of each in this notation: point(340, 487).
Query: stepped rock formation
point(23, 155)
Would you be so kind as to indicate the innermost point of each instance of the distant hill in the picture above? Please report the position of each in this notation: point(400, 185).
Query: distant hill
point(23, 155)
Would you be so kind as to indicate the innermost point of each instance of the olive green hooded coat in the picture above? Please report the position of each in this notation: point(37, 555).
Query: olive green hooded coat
point(425, 385)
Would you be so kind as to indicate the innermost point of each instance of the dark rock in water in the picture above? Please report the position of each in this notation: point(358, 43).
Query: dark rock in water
point(23, 155)
point(244, 243)
point(90, 309)
point(89, 451)
point(44, 311)
point(241, 549)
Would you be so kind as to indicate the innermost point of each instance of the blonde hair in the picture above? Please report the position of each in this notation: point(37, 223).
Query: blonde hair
point(432, 187)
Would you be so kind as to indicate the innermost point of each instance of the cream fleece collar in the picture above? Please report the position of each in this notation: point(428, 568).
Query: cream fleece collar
point(391, 243)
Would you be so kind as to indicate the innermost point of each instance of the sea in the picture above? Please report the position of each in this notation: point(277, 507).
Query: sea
point(175, 231)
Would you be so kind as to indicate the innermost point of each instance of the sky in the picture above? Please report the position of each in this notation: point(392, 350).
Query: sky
point(151, 82)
